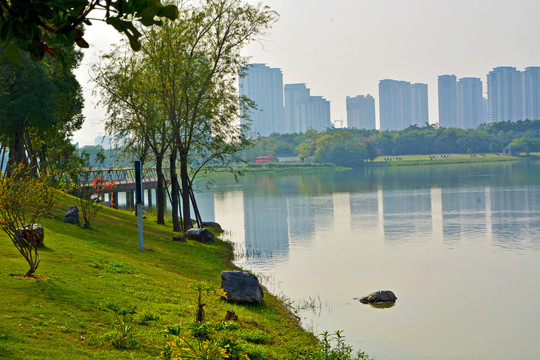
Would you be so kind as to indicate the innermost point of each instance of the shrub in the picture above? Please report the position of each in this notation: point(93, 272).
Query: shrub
point(24, 197)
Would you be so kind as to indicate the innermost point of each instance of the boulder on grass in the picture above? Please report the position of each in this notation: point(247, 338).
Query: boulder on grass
point(242, 287)
point(31, 234)
point(72, 215)
point(201, 235)
point(211, 224)
point(382, 296)
point(180, 238)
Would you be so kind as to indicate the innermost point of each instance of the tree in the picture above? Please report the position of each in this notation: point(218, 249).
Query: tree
point(127, 88)
point(526, 145)
point(40, 107)
point(341, 149)
point(192, 67)
point(38, 27)
point(23, 200)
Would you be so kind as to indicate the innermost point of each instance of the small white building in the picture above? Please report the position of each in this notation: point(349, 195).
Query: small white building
point(288, 159)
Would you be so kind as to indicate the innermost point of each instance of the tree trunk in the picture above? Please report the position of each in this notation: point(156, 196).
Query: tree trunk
point(16, 152)
point(184, 177)
point(174, 193)
point(194, 204)
point(160, 191)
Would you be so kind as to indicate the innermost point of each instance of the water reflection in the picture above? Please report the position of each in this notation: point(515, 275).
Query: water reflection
point(438, 236)
point(498, 204)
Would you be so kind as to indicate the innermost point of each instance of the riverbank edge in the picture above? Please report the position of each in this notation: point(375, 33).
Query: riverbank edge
point(67, 314)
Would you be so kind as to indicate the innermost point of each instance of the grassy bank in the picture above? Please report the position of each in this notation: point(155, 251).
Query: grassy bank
point(89, 273)
point(405, 160)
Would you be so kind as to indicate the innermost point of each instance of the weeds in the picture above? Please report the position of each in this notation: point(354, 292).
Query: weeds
point(121, 336)
point(342, 351)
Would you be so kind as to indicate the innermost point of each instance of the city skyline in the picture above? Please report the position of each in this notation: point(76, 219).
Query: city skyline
point(345, 48)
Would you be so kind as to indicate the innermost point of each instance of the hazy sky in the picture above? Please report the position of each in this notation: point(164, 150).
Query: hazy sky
point(343, 48)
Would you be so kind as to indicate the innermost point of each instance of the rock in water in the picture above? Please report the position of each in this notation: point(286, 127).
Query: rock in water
point(378, 297)
point(242, 287)
point(201, 235)
point(72, 215)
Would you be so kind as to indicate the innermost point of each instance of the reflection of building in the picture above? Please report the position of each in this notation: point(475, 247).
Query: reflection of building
point(406, 214)
point(463, 212)
point(265, 223)
point(512, 225)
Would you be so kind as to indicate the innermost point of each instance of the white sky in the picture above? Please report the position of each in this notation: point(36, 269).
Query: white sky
point(343, 48)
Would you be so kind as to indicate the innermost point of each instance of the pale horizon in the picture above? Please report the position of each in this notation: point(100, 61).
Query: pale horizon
point(345, 48)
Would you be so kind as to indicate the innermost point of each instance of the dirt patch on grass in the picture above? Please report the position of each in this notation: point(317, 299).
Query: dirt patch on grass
point(31, 277)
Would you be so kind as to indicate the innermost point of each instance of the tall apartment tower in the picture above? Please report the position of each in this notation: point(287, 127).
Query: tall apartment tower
point(361, 112)
point(505, 94)
point(470, 103)
point(448, 108)
point(264, 86)
point(294, 118)
point(303, 111)
point(419, 106)
point(531, 93)
point(394, 104)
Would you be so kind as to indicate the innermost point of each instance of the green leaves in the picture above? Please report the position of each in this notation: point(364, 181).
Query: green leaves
point(52, 26)
point(12, 54)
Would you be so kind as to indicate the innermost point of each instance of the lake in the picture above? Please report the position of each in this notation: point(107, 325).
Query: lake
point(459, 245)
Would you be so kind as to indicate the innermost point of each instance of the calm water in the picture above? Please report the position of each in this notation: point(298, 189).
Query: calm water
point(459, 246)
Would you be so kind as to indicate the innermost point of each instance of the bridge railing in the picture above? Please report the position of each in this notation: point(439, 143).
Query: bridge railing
point(125, 176)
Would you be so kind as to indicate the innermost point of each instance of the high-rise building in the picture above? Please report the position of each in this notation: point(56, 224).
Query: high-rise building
point(505, 94)
point(448, 109)
point(470, 103)
point(419, 104)
point(294, 119)
point(394, 104)
point(303, 111)
point(264, 86)
point(531, 93)
point(361, 112)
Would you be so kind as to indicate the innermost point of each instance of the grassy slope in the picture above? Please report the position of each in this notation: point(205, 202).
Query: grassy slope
point(66, 316)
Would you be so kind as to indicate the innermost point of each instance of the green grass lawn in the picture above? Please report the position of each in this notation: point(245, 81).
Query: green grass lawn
point(68, 316)
point(438, 159)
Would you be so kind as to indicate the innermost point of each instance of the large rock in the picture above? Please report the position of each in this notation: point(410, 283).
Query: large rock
point(242, 287)
point(201, 235)
point(31, 234)
point(72, 215)
point(211, 224)
point(382, 296)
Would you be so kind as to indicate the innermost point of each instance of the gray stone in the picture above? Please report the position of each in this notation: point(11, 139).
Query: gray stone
point(242, 287)
point(180, 238)
point(34, 234)
point(72, 215)
point(211, 224)
point(201, 235)
point(381, 296)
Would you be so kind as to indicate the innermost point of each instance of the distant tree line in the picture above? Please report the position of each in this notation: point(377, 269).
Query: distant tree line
point(351, 147)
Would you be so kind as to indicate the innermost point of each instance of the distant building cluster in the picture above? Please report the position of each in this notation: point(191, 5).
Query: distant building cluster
point(299, 112)
point(512, 95)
